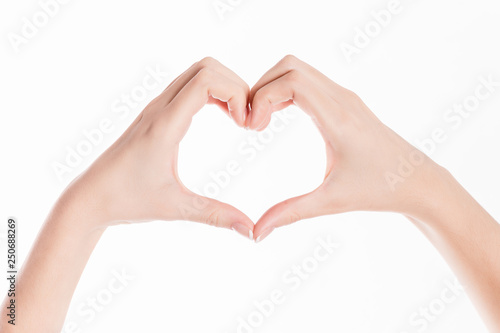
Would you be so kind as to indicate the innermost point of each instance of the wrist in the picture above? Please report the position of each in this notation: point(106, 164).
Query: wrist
point(434, 194)
point(80, 209)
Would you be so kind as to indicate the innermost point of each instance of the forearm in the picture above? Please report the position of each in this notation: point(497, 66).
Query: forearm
point(49, 276)
point(469, 240)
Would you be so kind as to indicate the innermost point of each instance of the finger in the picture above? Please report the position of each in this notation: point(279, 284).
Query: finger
point(240, 115)
point(284, 67)
point(265, 122)
point(178, 84)
point(197, 208)
point(289, 63)
point(291, 210)
point(206, 84)
point(297, 87)
point(222, 105)
point(274, 108)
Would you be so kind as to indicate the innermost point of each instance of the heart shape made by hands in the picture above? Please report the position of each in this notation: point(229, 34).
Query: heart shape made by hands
point(364, 157)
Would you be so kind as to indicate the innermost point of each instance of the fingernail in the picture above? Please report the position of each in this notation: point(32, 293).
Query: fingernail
point(264, 234)
point(243, 230)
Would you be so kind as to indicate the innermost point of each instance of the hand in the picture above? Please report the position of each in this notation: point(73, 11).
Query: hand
point(363, 155)
point(136, 178)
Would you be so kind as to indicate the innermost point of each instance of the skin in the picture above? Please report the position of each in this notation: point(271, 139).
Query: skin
point(360, 152)
point(136, 180)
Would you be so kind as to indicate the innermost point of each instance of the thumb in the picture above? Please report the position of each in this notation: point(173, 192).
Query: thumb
point(290, 211)
point(197, 208)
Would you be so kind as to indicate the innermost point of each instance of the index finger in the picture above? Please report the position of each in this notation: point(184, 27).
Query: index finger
point(298, 87)
point(207, 85)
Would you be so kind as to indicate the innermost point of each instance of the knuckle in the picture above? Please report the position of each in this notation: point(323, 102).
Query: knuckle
point(294, 217)
point(246, 88)
point(213, 218)
point(204, 76)
point(291, 211)
point(207, 62)
point(260, 97)
point(289, 61)
point(351, 96)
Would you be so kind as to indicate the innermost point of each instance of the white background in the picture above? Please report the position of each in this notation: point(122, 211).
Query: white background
point(189, 277)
